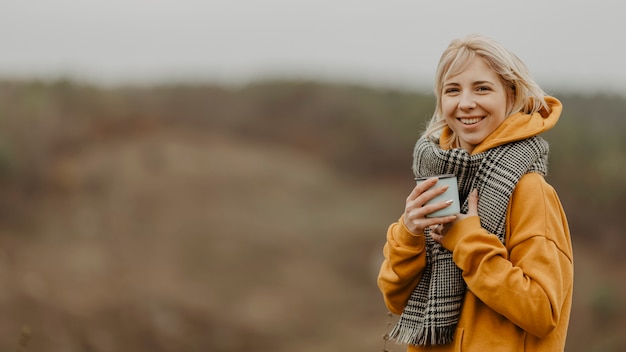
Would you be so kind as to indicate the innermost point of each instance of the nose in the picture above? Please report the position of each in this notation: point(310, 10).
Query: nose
point(466, 101)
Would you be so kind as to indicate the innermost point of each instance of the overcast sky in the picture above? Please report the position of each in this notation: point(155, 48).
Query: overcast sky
point(393, 42)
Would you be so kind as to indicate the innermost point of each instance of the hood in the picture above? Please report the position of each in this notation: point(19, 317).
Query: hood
point(518, 126)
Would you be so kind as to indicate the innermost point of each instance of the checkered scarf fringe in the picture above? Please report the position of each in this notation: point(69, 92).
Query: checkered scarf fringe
point(433, 309)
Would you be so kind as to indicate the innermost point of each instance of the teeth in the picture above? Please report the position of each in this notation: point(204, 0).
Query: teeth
point(470, 121)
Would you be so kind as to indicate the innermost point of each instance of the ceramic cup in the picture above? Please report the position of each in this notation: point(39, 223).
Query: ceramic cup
point(452, 193)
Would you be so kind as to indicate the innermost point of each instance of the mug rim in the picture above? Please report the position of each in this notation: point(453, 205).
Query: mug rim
point(438, 176)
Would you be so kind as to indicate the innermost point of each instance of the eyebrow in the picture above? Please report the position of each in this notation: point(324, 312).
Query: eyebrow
point(473, 83)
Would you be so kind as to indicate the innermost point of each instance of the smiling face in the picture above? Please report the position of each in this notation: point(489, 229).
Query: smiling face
point(474, 103)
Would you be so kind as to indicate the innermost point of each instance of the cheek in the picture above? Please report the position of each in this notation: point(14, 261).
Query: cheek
point(448, 107)
point(448, 117)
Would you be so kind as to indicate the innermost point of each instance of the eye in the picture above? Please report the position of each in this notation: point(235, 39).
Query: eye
point(451, 90)
point(483, 88)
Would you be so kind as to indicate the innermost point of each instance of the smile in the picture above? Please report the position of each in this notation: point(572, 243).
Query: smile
point(470, 121)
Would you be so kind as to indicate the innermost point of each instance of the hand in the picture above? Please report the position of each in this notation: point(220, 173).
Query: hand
point(438, 232)
point(415, 210)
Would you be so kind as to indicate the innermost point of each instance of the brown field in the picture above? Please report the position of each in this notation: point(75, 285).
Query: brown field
point(154, 235)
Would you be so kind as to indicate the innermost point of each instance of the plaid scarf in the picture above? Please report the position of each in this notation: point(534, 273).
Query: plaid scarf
point(433, 309)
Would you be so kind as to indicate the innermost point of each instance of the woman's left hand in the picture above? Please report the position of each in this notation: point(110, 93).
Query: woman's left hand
point(438, 232)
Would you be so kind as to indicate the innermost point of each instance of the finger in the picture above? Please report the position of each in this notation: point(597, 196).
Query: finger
point(429, 207)
point(433, 222)
point(437, 238)
point(472, 203)
point(422, 187)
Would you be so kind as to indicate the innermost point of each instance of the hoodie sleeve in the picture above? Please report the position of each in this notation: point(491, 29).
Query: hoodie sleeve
point(402, 267)
point(529, 280)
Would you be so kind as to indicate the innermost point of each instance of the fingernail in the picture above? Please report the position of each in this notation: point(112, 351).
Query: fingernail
point(449, 201)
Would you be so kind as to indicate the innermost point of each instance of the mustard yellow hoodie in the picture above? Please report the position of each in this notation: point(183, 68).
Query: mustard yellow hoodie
point(519, 296)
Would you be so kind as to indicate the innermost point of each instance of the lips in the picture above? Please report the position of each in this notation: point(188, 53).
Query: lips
point(470, 120)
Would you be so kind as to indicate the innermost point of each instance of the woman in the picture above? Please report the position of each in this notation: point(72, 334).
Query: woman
point(499, 275)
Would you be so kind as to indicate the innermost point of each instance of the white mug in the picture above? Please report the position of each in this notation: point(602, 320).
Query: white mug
point(452, 193)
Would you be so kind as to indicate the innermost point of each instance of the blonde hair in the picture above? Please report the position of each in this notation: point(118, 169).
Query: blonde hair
point(523, 93)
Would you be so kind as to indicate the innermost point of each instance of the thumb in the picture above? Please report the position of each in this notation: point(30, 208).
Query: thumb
point(472, 203)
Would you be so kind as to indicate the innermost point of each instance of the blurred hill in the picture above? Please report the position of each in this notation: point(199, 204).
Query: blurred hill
point(211, 218)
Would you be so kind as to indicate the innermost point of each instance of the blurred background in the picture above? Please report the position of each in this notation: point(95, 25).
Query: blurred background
point(220, 176)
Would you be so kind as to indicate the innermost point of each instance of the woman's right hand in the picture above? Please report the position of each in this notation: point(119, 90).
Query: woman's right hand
point(415, 210)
